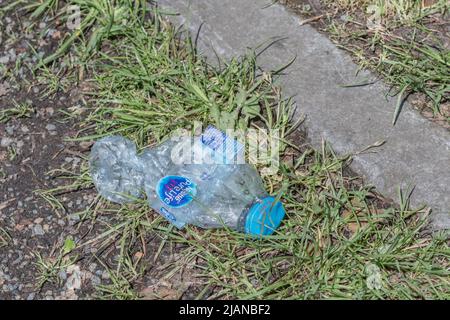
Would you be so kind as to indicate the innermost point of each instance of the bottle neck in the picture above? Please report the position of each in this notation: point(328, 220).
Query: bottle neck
point(243, 217)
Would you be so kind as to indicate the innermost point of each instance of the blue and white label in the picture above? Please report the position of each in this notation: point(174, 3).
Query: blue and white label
point(226, 150)
point(176, 191)
point(167, 214)
point(213, 138)
point(172, 219)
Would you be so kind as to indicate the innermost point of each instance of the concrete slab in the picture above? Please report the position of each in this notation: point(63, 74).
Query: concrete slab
point(416, 152)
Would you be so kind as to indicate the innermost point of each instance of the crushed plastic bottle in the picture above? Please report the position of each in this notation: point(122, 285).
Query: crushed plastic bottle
point(116, 169)
point(188, 180)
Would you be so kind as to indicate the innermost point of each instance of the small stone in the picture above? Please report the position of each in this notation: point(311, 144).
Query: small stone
point(105, 275)
point(10, 130)
point(49, 110)
point(50, 127)
point(92, 267)
point(38, 230)
point(74, 281)
point(38, 220)
point(63, 275)
point(6, 142)
point(4, 59)
point(85, 145)
point(12, 55)
point(96, 280)
point(4, 88)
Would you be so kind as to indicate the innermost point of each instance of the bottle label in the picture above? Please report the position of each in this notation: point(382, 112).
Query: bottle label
point(226, 150)
point(176, 191)
point(168, 215)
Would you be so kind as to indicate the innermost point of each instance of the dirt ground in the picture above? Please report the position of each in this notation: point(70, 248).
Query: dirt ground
point(33, 147)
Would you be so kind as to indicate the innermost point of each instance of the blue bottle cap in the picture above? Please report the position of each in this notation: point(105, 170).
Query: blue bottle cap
point(264, 217)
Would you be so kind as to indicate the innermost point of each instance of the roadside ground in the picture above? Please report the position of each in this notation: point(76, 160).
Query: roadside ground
point(127, 71)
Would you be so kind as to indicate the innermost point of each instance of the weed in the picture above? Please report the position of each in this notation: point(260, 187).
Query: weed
point(5, 238)
point(19, 110)
point(48, 268)
point(119, 288)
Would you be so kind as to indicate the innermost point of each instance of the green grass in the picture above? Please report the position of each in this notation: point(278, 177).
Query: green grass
point(19, 110)
point(336, 241)
point(48, 268)
point(5, 238)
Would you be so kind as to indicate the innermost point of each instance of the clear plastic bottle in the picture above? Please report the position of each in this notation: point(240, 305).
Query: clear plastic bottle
point(188, 180)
